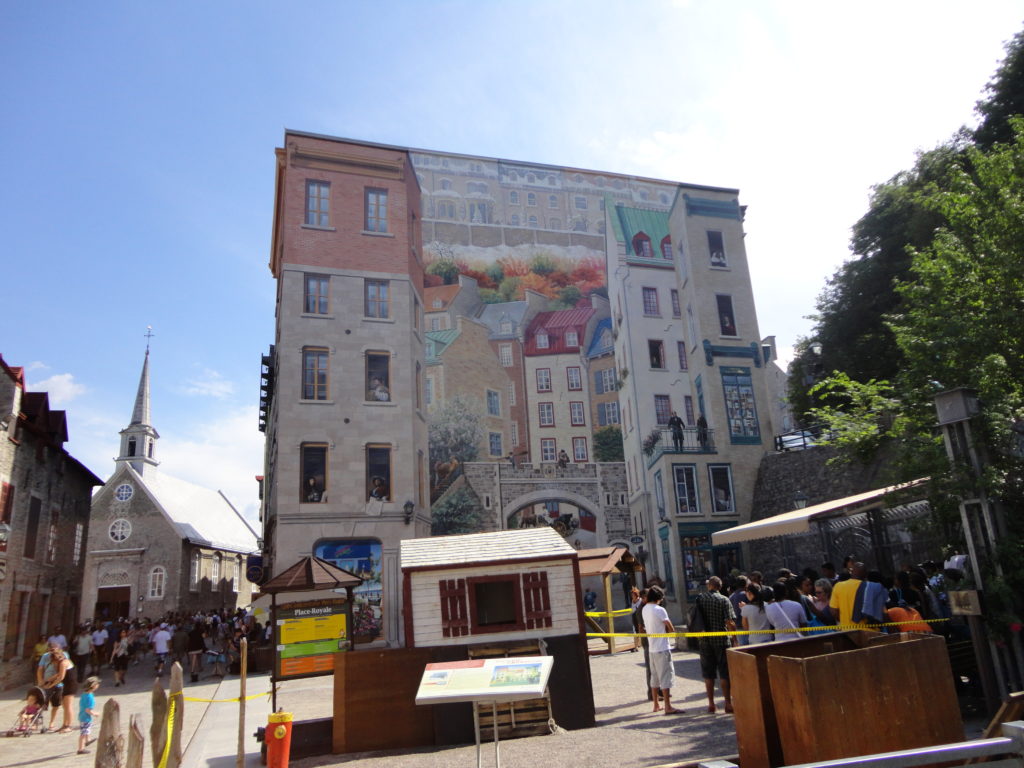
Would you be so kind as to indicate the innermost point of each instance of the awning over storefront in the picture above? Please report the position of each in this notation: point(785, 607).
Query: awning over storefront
point(799, 520)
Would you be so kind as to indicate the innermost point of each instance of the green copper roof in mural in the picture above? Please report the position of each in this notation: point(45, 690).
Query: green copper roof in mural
point(628, 222)
point(438, 342)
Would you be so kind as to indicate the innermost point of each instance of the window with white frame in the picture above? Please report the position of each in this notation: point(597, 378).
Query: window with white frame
point(514, 435)
point(194, 573)
point(720, 477)
point(505, 355)
point(686, 489)
point(650, 296)
point(607, 413)
point(215, 569)
point(546, 414)
point(716, 249)
point(552, 201)
point(318, 203)
point(580, 202)
point(579, 449)
point(76, 556)
point(547, 449)
point(531, 199)
point(577, 414)
point(676, 310)
point(157, 579)
point(574, 378)
point(493, 402)
point(681, 351)
point(236, 573)
point(428, 390)
point(513, 197)
point(572, 339)
point(542, 340)
point(605, 381)
point(662, 409)
point(543, 379)
point(512, 393)
point(494, 443)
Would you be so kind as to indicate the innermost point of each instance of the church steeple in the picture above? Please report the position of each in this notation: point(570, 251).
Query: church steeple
point(139, 437)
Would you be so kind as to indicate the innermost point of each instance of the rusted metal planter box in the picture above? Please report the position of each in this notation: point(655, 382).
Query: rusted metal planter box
point(841, 695)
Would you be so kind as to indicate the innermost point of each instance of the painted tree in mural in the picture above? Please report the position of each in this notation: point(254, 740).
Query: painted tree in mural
point(458, 512)
point(455, 431)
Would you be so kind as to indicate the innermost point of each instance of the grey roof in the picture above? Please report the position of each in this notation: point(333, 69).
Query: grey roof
point(471, 548)
point(492, 315)
point(201, 515)
point(140, 412)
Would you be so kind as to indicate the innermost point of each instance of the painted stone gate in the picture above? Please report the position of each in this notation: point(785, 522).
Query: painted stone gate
point(598, 491)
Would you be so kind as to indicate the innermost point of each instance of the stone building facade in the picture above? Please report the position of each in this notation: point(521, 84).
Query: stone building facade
point(44, 520)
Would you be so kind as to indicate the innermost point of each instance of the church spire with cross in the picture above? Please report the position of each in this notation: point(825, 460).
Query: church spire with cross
point(139, 437)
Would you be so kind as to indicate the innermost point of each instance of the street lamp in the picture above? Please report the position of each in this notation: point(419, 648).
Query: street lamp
point(408, 508)
point(799, 500)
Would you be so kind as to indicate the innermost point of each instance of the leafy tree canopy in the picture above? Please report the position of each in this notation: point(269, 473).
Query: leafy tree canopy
point(608, 444)
point(455, 430)
point(458, 512)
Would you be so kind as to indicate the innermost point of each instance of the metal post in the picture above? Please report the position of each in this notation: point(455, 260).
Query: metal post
point(497, 754)
point(476, 732)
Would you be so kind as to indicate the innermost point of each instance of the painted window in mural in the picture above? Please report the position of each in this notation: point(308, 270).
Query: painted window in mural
point(363, 558)
point(720, 476)
point(659, 495)
point(686, 489)
point(740, 409)
point(666, 560)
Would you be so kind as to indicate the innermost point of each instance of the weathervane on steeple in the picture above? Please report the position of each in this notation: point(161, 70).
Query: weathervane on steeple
point(148, 334)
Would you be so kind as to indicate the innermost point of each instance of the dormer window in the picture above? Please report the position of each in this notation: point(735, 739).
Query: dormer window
point(666, 247)
point(436, 304)
point(572, 339)
point(505, 328)
point(642, 245)
point(542, 340)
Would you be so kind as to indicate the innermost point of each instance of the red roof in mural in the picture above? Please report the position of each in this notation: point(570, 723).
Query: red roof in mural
point(443, 292)
point(555, 324)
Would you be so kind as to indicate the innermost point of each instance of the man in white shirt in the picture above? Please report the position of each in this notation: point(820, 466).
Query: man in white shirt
point(161, 647)
point(99, 644)
point(656, 622)
point(58, 639)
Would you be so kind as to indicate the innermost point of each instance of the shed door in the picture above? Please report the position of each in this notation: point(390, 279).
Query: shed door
point(454, 613)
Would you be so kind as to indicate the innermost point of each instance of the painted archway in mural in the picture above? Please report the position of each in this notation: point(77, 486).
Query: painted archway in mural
point(578, 519)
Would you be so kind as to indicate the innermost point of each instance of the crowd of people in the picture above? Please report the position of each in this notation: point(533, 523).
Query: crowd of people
point(823, 600)
point(62, 666)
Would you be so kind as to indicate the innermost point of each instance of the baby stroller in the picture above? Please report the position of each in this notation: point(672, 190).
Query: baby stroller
point(33, 723)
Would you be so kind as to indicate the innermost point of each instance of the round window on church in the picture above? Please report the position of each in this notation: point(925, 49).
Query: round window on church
point(123, 492)
point(119, 530)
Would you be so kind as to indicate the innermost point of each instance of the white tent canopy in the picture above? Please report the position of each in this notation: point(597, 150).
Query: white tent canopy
point(799, 520)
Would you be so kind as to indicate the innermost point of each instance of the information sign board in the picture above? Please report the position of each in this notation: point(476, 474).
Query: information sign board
point(308, 636)
point(498, 680)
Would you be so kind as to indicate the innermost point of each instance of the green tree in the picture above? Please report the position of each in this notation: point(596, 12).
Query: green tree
point(509, 289)
point(495, 272)
point(1004, 98)
point(490, 296)
point(542, 264)
point(455, 430)
point(458, 512)
point(446, 269)
point(608, 444)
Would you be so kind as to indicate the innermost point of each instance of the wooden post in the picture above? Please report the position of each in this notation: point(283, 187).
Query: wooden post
point(244, 650)
point(158, 726)
point(136, 743)
point(608, 611)
point(110, 748)
point(178, 697)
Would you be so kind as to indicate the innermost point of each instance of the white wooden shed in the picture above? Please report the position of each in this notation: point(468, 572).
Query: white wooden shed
point(490, 587)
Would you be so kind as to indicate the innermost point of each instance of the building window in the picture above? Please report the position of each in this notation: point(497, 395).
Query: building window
point(656, 352)
point(132, 446)
point(688, 408)
point(579, 449)
point(493, 402)
point(378, 377)
point(574, 378)
point(681, 351)
point(157, 579)
point(428, 391)
point(479, 212)
point(543, 342)
point(572, 339)
point(314, 373)
point(505, 328)
point(215, 570)
point(505, 355)
point(577, 414)
point(676, 311)
point(512, 393)
point(236, 573)
point(313, 472)
point(726, 318)
point(446, 184)
point(659, 495)
point(604, 381)
point(515, 434)
point(494, 443)
point(716, 249)
point(543, 379)
point(376, 210)
point(513, 197)
point(514, 220)
point(123, 492)
point(533, 221)
point(51, 537)
point(642, 245)
point(495, 604)
point(416, 313)
point(547, 449)
point(740, 408)
point(686, 489)
point(193, 575)
point(720, 476)
point(651, 302)
point(662, 409)
point(580, 202)
point(376, 299)
point(445, 209)
point(316, 295)
point(607, 413)
point(552, 201)
point(531, 199)
point(6, 509)
point(546, 414)
point(439, 322)
point(666, 247)
point(76, 555)
point(318, 203)
point(419, 386)
point(119, 530)
point(378, 472)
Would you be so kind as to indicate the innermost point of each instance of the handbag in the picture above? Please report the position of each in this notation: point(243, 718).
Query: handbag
point(695, 621)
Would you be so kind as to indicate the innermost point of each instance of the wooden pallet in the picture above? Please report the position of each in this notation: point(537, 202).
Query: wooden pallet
point(529, 717)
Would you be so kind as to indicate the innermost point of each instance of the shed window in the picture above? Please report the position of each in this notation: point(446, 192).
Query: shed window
point(495, 604)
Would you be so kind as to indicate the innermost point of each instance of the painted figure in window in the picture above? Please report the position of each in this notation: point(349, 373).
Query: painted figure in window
point(313, 490)
point(728, 326)
point(563, 459)
point(378, 390)
point(379, 490)
point(676, 425)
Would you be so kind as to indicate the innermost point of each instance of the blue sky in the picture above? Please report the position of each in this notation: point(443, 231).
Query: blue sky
point(138, 154)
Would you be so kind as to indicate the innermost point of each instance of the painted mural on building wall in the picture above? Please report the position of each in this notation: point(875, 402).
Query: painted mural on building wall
point(363, 558)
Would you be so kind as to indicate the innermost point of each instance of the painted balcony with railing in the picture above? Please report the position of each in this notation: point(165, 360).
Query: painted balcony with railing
point(661, 441)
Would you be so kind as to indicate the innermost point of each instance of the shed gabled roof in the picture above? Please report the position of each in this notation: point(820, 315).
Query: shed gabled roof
point(311, 574)
point(472, 548)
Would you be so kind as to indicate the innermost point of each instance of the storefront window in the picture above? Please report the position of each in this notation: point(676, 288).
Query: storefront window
point(700, 559)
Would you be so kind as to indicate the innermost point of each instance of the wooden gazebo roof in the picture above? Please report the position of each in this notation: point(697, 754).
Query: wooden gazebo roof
point(599, 562)
point(311, 574)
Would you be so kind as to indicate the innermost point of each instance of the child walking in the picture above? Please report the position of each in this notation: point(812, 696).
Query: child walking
point(86, 712)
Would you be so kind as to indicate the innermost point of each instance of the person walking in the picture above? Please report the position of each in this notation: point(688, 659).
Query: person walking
point(81, 651)
point(120, 654)
point(718, 617)
point(656, 622)
point(86, 713)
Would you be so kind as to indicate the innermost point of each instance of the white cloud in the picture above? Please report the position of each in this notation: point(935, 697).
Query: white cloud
point(61, 387)
point(224, 454)
point(36, 365)
point(209, 383)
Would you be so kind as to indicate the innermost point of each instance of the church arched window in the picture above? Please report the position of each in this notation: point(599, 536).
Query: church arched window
point(193, 578)
point(157, 579)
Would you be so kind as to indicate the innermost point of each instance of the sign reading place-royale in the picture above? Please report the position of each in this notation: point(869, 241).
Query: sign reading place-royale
point(308, 636)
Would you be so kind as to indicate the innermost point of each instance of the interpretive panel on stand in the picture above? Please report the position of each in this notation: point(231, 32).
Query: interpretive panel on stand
point(505, 679)
point(308, 636)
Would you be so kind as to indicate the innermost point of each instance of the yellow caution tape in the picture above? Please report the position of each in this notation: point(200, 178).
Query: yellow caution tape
point(617, 612)
point(781, 630)
point(221, 701)
point(170, 730)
